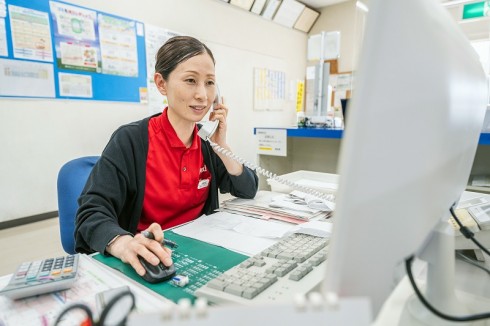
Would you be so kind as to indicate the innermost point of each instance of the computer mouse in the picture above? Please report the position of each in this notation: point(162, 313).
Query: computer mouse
point(159, 273)
point(156, 274)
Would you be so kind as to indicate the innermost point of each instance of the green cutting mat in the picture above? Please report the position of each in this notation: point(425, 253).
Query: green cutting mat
point(199, 260)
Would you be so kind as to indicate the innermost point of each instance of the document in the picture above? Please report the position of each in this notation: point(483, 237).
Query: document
point(246, 235)
point(265, 206)
point(239, 233)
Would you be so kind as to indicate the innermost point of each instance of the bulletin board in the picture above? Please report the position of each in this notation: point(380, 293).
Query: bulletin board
point(52, 49)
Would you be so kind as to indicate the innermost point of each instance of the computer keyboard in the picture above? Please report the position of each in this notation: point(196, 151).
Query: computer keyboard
point(295, 264)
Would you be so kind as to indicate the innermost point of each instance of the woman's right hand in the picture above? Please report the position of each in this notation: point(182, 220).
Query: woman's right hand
point(128, 248)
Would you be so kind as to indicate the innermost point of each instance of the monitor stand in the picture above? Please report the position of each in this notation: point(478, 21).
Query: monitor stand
point(439, 253)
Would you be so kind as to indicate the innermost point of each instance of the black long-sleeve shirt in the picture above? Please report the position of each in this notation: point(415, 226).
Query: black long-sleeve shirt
point(112, 200)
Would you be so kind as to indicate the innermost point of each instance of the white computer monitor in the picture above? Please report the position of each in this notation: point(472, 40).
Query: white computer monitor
point(414, 121)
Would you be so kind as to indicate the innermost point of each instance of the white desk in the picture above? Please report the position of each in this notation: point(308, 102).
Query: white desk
point(472, 285)
point(472, 288)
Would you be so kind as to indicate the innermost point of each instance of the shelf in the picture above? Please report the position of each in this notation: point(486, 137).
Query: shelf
point(337, 133)
point(311, 132)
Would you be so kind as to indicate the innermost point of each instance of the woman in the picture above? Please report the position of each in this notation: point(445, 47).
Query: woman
point(157, 173)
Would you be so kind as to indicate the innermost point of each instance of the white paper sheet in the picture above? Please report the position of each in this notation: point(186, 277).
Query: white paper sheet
point(242, 234)
point(316, 228)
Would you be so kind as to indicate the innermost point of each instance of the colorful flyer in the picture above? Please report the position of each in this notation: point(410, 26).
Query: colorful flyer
point(3, 39)
point(118, 46)
point(76, 39)
point(31, 34)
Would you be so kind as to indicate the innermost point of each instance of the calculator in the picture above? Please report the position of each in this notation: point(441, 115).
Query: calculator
point(42, 276)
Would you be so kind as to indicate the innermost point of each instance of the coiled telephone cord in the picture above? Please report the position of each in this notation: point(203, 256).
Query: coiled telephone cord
point(268, 174)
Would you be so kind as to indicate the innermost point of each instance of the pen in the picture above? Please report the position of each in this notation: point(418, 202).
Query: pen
point(170, 243)
point(166, 242)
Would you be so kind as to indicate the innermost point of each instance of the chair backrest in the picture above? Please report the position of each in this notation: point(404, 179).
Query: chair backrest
point(71, 180)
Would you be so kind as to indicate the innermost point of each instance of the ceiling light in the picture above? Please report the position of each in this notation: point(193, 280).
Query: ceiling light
point(362, 6)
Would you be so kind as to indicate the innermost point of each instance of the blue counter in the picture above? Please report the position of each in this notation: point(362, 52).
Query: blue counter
point(337, 133)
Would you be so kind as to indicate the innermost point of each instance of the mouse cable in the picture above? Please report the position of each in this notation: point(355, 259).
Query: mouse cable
point(408, 267)
point(468, 234)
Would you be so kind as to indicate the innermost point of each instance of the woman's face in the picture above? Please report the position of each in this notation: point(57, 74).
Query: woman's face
point(190, 89)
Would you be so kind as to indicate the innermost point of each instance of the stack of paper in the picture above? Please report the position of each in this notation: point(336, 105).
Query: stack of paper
point(273, 205)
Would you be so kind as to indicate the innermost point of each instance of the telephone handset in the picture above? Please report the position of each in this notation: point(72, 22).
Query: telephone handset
point(209, 127)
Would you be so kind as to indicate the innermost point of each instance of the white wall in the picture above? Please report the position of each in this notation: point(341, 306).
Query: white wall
point(39, 136)
point(341, 17)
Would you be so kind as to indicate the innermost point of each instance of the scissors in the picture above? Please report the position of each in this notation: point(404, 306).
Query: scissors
point(114, 313)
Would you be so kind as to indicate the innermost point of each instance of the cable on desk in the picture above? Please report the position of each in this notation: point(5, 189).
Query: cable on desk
point(408, 267)
point(467, 232)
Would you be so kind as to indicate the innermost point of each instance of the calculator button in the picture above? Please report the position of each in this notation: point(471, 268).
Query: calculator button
point(24, 266)
point(45, 278)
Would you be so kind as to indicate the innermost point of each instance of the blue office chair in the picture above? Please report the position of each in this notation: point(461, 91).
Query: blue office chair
point(71, 180)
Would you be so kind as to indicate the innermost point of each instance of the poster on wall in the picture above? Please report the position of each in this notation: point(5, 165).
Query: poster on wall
point(15, 75)
point(269, 89)
point(31, 34)
point(3, 9)
point(75, 85)
point(118, 46)
point(155, 38)
point(3, 30)
point(76, 41)
point(3, 39)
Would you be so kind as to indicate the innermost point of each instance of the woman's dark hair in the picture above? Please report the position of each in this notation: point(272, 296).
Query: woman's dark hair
point(176, 50)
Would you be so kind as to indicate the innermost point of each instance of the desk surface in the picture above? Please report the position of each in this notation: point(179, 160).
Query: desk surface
point(471, 281)
point(472, 288)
